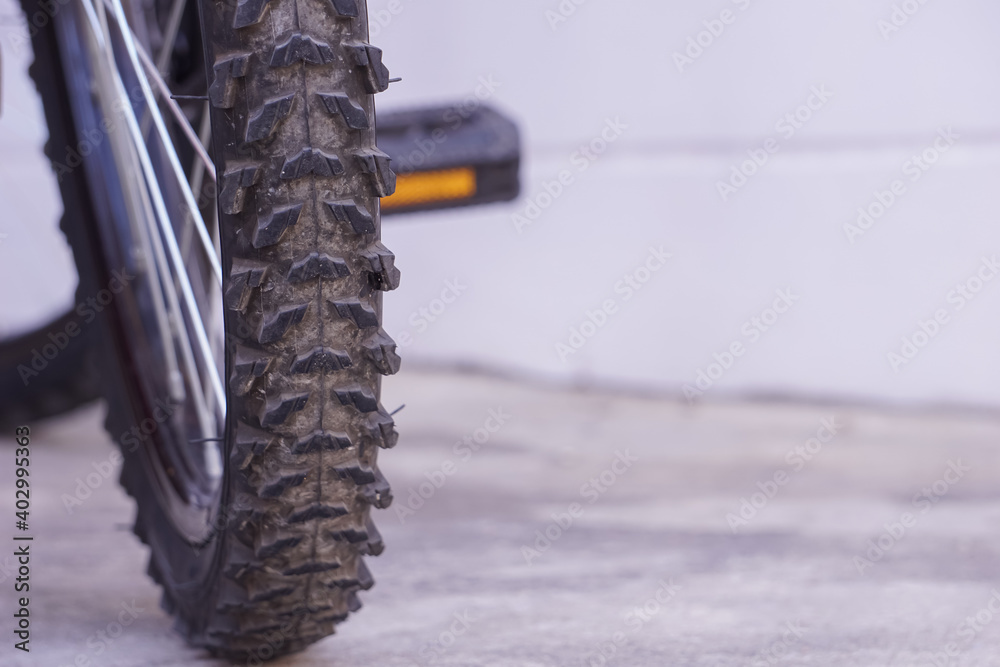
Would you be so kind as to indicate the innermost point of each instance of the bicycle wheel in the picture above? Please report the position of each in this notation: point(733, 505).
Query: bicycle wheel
point(242, 343)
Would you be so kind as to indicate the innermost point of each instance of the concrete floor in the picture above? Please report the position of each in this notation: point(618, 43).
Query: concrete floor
point(650, 568)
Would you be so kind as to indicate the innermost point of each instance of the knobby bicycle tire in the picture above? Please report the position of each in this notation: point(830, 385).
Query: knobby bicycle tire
point(291, 86)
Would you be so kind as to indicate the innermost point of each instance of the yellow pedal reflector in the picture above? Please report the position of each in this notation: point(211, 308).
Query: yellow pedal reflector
point(427, 187)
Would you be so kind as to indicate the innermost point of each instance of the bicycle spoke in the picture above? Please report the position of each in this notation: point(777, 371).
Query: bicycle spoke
point(194, 211)
point(167, 232)
point(187, 322)
point(95, 23)
point(137, 201)
point(170, 36)
point(178, 113)
point(198, 167)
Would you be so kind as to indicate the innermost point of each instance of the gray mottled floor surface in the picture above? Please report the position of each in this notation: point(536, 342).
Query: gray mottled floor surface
point(785, 589)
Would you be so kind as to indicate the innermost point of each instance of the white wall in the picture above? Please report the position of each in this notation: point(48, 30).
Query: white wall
point(36, 267)
point(656, 185)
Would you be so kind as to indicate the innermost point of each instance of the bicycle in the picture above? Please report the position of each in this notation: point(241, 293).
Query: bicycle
point(219, 158)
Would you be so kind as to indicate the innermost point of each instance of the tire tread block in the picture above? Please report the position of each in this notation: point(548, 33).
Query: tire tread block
point(248, 366)
point(264, 121)
point(317, 265)
point(384, 275)
point(361, 220)
point(368, 58)
point(311, 161)
point(278, 409)
point(380, 349)
point(277, 487)
point(249, 12)
point(244, 277)
point(275, 328)
point(249, 444)
point(269, 230)
point(235, 183)
point(378, 493)
point(321, 359)
point(322, 441)
point(300, 47)
point(360, 313)
point(346, 8)
point(357, 473)
point(339, 104)
point(317, 511)
point(358, 397)
point(381, 429)
point(222, 91)
point(375, 163)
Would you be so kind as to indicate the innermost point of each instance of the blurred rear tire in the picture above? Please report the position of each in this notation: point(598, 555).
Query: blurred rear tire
point(36, 384)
